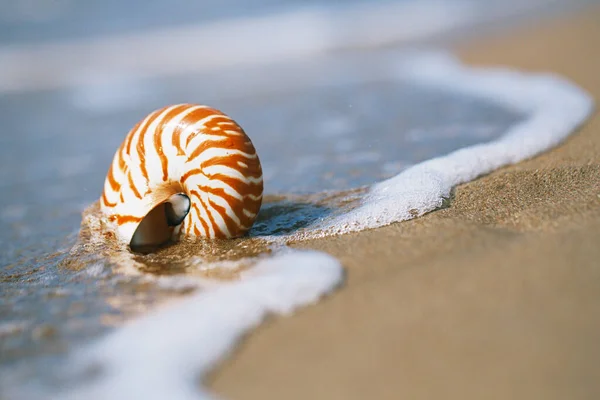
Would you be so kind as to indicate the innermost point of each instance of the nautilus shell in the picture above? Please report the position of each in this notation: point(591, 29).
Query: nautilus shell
point(184, 170)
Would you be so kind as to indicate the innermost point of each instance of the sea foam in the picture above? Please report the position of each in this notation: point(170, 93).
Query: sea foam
point(554, 108)
point(164, 354)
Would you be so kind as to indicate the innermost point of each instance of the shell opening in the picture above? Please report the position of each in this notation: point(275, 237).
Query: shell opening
point(157, 226)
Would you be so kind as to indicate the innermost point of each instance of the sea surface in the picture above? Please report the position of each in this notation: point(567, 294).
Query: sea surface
point(327, 125)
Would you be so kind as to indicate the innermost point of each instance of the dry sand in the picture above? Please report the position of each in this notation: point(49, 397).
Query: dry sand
point(495, 297)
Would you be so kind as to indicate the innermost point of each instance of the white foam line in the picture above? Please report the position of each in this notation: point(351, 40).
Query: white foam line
point(554, 108)
point(235, 42)
point(165, 354)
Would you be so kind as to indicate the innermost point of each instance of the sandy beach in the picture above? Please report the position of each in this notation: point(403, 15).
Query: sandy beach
point(494, 297)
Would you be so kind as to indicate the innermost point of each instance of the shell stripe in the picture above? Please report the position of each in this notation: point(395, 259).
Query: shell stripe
point(174, 115)
point(106, 202)
point(210, 212)
point(202, 221)
point(213, 225)
point(124, 219)
point(132, 186)
point(188, 118)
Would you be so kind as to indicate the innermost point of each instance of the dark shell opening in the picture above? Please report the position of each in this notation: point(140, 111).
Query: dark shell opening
point(157, 226)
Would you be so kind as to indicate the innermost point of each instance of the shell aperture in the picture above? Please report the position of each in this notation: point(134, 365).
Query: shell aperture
point(185, 170)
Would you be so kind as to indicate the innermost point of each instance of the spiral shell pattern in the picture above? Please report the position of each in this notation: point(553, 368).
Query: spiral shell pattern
point(190, 149)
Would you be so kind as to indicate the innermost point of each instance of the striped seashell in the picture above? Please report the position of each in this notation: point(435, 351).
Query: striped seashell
point(184, 170)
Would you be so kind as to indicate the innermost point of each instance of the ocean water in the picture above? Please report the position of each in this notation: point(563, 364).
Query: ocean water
point(35, 21)
point(349, 141)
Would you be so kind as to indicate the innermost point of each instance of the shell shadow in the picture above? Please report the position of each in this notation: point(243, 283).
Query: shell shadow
point(283, 217)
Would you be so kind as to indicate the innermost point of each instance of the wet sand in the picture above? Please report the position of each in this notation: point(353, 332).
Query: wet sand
point(496, 296)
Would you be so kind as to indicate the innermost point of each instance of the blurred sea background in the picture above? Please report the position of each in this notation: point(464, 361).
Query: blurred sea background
point(306, 80)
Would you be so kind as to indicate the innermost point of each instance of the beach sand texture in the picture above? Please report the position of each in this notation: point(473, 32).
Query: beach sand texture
point(495, 297)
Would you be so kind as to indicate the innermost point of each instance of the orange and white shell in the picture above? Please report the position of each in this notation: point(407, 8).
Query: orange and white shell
point(187, 149)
